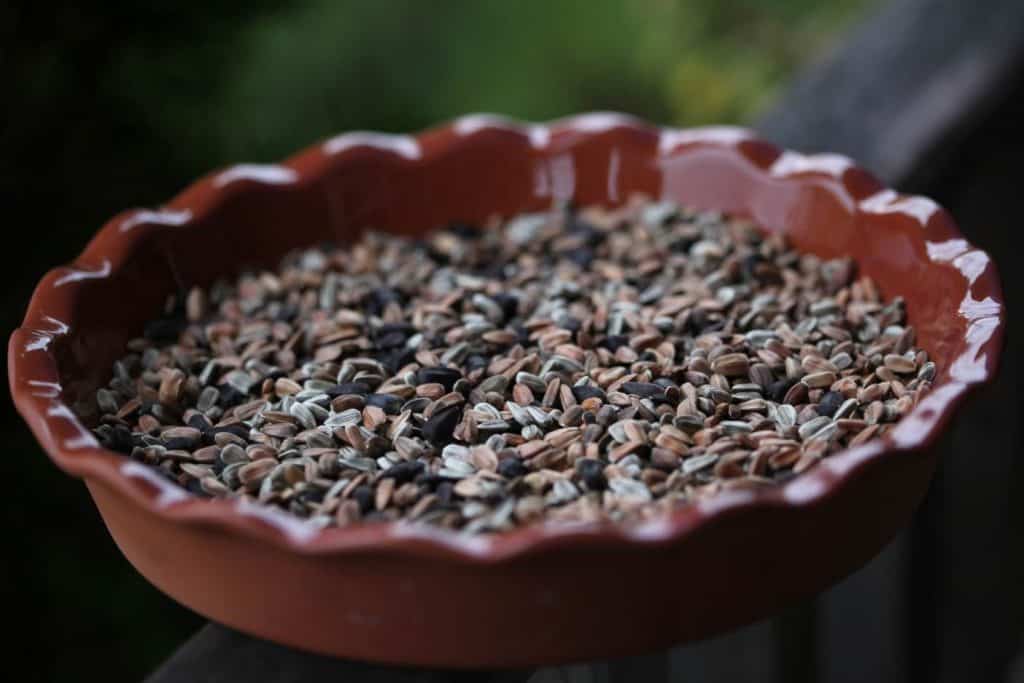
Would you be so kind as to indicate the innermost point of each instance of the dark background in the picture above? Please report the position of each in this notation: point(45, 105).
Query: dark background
point(108, 107)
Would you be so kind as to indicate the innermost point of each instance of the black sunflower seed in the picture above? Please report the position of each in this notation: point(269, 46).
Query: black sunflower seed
point(829, 403)
point(511, 468)
point(438, 375)
point(346, 388)
point(645, 389)
point(584, 391)
point(389, 403)
point(592, 473)
point(439, 428)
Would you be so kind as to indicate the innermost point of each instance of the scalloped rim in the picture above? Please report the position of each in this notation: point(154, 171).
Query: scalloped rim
point(35, 383)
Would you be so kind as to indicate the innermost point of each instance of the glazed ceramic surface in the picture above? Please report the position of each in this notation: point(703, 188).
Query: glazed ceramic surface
point(541, 594)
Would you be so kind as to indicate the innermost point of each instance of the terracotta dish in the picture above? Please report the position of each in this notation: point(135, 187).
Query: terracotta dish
point(539, 594)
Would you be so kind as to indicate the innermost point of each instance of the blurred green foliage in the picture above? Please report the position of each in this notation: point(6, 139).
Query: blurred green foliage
point(403, 64)
point(111, 105)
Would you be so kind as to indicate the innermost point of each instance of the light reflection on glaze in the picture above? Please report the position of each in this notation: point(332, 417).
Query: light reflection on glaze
point(852, 458)
point(466, 126)
point(40, 341)
point(815, 483)
point(471, 124)
point(806, 489)
point(983, 315)
point(970, 366)
point(46, 389)
point(723, 500)
point(472, 545)
point(614, 161)
point(907, 431)
point(84, 438)
point(972, 264)
point(671, 138)
point(76, 275)
point(563, 177)
point(650, 529)
point(974, 310)
point(167, 492)
point(919, 208)
point(168, 217)
point(597, 122)
point(791, 163)
point(945, 252)
point(269, 174)
point(541, 183)
point(403, 145)
point(540, 136)
point(294, 528)
point(42, 338)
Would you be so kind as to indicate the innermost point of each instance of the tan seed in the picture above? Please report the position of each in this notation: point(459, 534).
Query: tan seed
point(432, 391)
point(254, 472)
point(731, 365)
point(347, 513)
point(900, 364)
point(522, 394)
point(171, 387)
point(382, 496)
point(796, 395)
point(818, 380)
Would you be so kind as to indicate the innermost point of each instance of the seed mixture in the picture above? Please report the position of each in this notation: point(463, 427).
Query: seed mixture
point(568, 365)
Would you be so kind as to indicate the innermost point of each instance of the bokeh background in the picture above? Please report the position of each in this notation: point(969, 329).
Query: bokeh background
point(109, 106)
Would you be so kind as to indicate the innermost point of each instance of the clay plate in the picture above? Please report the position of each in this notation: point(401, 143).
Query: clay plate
point(540, 594)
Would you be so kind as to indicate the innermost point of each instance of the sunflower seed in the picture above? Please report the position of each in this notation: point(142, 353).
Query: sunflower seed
point(577, 365)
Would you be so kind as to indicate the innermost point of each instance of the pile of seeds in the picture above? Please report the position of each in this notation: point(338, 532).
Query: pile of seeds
point(570, 365)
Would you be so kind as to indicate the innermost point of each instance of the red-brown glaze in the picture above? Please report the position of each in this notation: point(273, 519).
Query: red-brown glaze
point(539, 594)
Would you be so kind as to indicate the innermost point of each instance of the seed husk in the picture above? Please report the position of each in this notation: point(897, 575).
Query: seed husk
point(900, 364)
point(731, 365)
point(818, 380)
point(171, 387)
point(796, 394)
